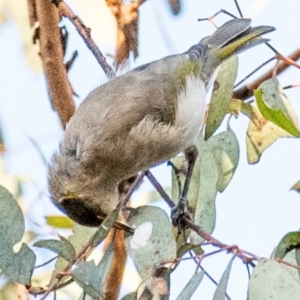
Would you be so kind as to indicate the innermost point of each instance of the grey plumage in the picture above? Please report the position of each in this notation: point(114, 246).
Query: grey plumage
point(136, 121)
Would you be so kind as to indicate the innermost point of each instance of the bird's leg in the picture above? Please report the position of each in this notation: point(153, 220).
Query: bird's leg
point(177, 174)
point(181, 209)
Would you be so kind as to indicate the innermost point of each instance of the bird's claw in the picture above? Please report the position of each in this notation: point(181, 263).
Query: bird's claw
point(179, 213)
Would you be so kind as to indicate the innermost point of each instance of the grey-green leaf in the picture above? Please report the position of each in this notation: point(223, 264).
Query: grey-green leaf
point(153, 241)
point(220, 292)
point(205, 211)
point(63, 248)
point(80, 237)
point(105, 227)
point(225, 148)
point(272, 280)
point(191, 286)
point(17, 267)
point(89, 278)
point(221, 96)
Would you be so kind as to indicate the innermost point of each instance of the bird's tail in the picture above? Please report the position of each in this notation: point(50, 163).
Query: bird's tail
point(233, 37)
point(236, 36)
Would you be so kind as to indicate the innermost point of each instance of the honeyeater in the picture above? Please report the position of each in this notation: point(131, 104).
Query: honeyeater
point(139, 120)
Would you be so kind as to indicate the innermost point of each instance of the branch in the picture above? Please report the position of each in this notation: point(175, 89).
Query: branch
point(127, 23)
point(246, 91)
point(52, 57)
point(115, 274)
point(85, 33)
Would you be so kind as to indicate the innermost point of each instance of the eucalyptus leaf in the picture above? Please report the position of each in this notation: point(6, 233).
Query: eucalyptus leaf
point(289, 242)
point(94, 283)
point(275, 106)
point(63, 248)
point(221, 96)
point(17, 267)
point(272, 280)
point(105, 227)
point(296, 187)
point(274, 119)
point(80, 237)
point(89, 278)
point(11, 291)
point(225, 148)
point(205, 211)
point(220, 292)
point(191, 286)
point(153, 241)
point(237, 106)
point(183, 249)
point(260, 136)
point(61, 222)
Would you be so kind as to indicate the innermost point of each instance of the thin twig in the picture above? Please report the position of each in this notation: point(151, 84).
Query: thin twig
point(290, 86)
point(238, 8)
point(159, 189)
point(132, 188)
point(246, 91)
point(47, 262)
point(85, 33)
point(219, 12)
point(254, 71)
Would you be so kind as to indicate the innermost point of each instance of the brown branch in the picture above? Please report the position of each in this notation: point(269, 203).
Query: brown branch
point(32, 12)
point(246, 91)
point(175, 6)
point(52, 57)
point(85, 33)
point(115, 275)
point(127, 23)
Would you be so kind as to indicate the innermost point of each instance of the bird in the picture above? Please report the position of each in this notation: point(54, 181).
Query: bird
point(139, 120)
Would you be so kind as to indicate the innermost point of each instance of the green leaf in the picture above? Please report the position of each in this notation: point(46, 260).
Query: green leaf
point(273, 280)
point(289, 242)
point(275, 106)
point(205, 211)
point(17, 267)
point(63, 248)
point(105, 227)
point(61, 222)
point(225, 148)
point(191, 286)
point(89, 278)
point(220, 292)
point(153, 241)
point(296, 187)
point(275, 119)
point(221, 96)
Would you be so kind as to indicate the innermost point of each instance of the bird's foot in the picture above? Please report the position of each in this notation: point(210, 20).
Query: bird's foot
point(179, 213)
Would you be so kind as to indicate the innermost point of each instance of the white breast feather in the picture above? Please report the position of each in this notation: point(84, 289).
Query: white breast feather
point(191, 109)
